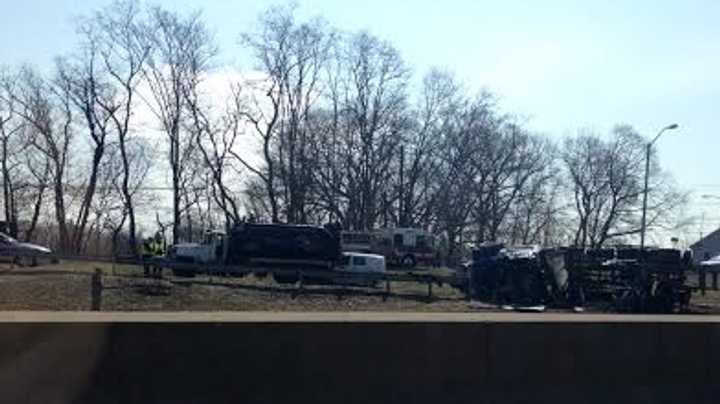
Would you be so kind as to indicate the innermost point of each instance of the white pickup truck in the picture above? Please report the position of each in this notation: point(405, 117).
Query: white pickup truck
point(359, 263)
point(362, 263)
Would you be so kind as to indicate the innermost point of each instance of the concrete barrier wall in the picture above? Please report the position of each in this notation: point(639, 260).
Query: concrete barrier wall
point(360, 362)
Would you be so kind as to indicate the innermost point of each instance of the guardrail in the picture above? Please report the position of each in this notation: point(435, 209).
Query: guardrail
point(303, 276)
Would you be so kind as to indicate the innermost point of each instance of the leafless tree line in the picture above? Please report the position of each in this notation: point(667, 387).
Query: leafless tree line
point(328, 128)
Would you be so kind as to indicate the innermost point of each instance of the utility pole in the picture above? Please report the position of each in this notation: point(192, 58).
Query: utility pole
point(402, 218)
point(648, 149)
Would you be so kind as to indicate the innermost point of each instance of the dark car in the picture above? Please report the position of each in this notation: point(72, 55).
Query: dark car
point(24, 254)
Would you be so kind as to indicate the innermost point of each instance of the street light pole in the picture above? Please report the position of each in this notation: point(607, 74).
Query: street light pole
point(648, 148)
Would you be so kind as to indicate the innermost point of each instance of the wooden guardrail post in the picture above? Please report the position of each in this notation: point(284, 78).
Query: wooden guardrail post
point(430, 282)
point(300, 282)
point(96, 290)
point(701, 279)
point(469, 287)
point(387, 289)
point(340, 290)
point(714, 279)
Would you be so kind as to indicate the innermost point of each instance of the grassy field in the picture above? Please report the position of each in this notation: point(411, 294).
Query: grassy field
point(66, 286)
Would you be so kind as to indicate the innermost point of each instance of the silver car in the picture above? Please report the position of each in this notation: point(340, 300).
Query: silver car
point(24, 254)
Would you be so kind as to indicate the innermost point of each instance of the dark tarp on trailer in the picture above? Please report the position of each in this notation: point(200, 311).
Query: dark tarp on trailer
point(279, 241)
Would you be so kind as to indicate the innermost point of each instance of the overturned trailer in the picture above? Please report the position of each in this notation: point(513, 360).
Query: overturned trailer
point(620, 279)
point(635, 280)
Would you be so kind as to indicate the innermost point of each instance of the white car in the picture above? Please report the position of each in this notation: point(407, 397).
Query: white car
point(23, 254)
point(712, 262)
point(360, 263)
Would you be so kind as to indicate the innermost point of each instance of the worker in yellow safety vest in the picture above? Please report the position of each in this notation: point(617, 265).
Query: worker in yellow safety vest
point(158, 249)
point(147, 251)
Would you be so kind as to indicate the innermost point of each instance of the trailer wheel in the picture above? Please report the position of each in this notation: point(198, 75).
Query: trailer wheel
point(664, 298)
point(285, 279)
point(25, 261)
point(183, 273)
point(408, 261)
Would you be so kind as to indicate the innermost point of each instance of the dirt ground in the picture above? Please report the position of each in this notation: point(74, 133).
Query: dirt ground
point(67, 286)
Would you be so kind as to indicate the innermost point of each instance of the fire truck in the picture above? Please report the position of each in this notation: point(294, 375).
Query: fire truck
point(406, 247)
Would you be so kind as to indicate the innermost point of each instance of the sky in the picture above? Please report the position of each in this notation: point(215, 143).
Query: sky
point(563, 65)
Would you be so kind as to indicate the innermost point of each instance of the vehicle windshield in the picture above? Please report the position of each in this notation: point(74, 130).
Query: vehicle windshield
point(7, 239)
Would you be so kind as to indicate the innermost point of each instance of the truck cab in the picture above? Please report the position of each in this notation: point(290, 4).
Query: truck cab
point(212, 249)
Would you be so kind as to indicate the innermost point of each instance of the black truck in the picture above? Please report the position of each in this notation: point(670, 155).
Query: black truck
point(263, 245)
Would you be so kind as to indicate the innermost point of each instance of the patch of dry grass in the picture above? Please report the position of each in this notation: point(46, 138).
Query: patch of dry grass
point(66, 286)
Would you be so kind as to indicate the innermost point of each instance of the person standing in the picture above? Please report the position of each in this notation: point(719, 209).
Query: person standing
point(158, 247)
point(147, 252)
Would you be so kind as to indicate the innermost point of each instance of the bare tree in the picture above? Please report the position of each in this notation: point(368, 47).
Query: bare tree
point(536, 214)
point(457, 171)
point(123, 49)
point(216, 138)
point(89, 90)
point(12, 145)
point(606, 180)
point(509, 161)
point(181, 51)
point(374, 107)
point(292, 56)
point(47, 108)
point(39, 166)
point(111, 208)
point(419, 156)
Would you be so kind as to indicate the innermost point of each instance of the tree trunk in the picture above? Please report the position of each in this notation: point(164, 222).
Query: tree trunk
point(84, 213)
point(60, 215)
point(8, 194)
point(175, 167)
point(127, 196)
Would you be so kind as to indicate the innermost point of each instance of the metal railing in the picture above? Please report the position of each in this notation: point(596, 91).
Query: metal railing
point(302, 277)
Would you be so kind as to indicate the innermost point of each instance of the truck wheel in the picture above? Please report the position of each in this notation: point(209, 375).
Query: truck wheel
point(26, 261)
point(408, 261)
point(183, 273)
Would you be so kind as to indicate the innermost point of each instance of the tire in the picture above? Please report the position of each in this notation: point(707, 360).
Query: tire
point(183, 273)
point(664, 299)
point(408, 261)
point(26, 261)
